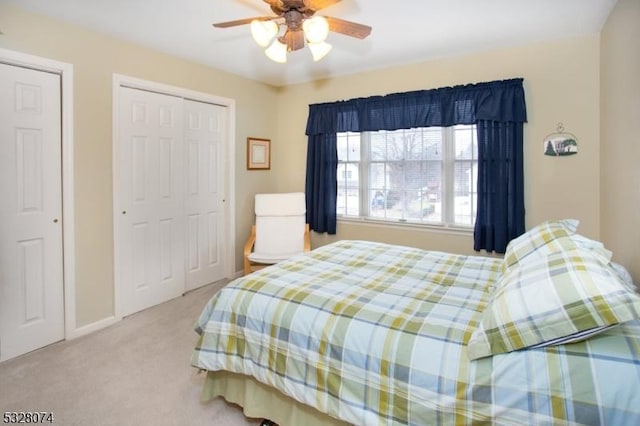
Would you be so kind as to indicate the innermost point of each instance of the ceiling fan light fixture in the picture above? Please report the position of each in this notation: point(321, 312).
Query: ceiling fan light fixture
point(319, 50)
point(301, 26)
point(316, 29)
point(263, 31)
point(277, 52)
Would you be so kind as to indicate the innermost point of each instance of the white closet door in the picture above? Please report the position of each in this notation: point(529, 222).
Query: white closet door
point(205, 132)
point(31, 278)
point(150, 193)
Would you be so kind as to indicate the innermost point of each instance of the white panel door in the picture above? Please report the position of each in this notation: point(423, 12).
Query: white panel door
point(205, 132)
point(31, 278)
point(150, 199)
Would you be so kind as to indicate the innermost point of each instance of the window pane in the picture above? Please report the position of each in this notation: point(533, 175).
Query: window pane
point(341, 202)
point(466, 172)
point(395, 174)
point(378, 202)
point(348, 177)
point(354, 147)
point(378, 146)
point(464, 142)
point(416, 175)
point(348, 201)
point(394, 204)
point(395, 146)
point(433, 143)
point(348, 146)
point(353, 201)
point(414, 146)
point(462, 192)
point(474, 190)
point(342, 147)
point(462, 174)
point(431, 192)
point(377, 177)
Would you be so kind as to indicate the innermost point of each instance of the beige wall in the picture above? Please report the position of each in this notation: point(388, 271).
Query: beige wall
point(561, 82)
point(620, 134)
point(95, 58)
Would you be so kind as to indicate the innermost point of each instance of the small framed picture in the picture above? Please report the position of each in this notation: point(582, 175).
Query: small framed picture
point(560, 145)
point(258, 154)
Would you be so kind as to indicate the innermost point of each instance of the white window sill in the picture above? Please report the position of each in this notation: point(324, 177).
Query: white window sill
point(440, 228)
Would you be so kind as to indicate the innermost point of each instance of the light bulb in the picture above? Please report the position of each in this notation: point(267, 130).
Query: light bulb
point(263, 31)
point(277, 52)
point(316, 29)
point(319, 50)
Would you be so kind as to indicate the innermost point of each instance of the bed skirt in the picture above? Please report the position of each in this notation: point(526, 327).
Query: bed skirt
point(260, 401)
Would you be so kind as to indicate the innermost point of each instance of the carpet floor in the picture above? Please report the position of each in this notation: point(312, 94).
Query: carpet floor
point(135, 372)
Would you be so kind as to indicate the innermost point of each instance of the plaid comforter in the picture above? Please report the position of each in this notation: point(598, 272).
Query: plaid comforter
point(376, 334)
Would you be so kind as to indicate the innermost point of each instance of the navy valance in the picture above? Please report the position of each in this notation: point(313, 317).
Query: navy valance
point(499, 101)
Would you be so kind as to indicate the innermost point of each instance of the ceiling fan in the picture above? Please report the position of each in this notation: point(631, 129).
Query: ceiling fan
point(300, 24)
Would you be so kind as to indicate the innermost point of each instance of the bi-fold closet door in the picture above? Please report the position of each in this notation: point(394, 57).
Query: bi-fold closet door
point(169, 196)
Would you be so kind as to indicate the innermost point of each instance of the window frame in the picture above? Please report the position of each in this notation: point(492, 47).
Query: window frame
point(448, 184)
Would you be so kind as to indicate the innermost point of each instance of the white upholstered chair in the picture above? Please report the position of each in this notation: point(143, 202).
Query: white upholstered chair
point(280, 231)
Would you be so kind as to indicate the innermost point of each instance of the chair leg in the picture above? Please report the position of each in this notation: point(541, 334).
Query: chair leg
point(247, 266)
point(248, 246)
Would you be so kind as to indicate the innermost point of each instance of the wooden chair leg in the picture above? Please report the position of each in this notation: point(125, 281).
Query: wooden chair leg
point(248, 246)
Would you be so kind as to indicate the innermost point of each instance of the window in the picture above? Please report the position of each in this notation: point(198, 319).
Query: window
point(425, 175)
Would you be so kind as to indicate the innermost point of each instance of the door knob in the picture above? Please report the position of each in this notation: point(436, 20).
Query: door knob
point(55, 220)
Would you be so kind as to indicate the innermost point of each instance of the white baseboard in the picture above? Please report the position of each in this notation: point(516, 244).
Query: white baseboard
point(90, 328)
point(106, 322)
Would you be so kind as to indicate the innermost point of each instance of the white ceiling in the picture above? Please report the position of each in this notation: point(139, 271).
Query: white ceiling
point(404, 31)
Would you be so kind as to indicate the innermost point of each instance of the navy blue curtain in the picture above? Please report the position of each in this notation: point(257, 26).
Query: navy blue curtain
point(500, 212)
point(492, 102)
point(321, 186)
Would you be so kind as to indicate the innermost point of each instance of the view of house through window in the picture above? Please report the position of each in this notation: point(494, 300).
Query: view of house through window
point(425, 175)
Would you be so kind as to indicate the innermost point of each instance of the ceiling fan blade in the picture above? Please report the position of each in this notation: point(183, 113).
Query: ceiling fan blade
point(349, 28)
point(243, 21)
point(320, 4)
point(277, 6)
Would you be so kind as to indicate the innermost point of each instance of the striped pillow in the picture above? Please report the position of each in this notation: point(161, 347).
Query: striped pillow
point(563, 296)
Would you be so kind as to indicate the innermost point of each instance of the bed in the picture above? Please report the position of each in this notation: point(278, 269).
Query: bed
point(357, 332)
